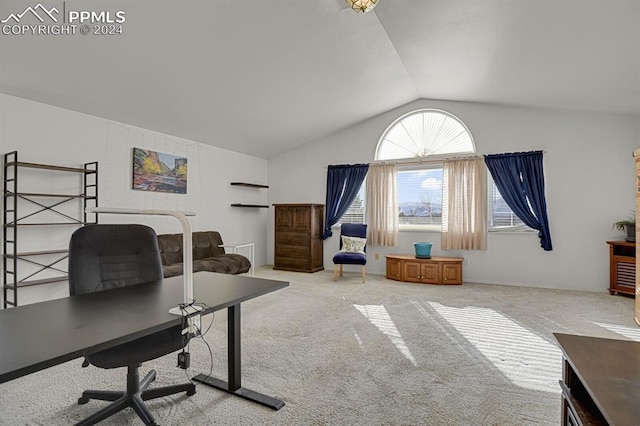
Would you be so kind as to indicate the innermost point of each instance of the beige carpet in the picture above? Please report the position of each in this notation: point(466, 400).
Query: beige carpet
point(383, 353)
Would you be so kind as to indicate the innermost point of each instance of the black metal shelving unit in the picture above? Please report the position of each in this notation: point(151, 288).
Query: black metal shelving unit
point(44, 202)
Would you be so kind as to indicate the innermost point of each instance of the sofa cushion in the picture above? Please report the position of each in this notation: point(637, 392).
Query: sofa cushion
point(226, 263)
point(170, 248)
point(347, 258)
point(240, 264)
point(198, 265)
point(206, 244)
point(215, 264)
point(172, 270)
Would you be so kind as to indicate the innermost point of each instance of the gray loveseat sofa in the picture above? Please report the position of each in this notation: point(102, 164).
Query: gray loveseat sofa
point(207, 255)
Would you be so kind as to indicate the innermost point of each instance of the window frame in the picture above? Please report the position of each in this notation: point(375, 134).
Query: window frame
point(427, 165)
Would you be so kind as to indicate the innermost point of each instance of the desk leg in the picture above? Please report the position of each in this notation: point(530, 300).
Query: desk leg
point(234, 369)
point(234, 386)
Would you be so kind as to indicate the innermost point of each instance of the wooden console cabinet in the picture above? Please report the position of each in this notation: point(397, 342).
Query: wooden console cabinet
point(622, 267)
point(436, 270)
point(599, 380)
point(298, 237)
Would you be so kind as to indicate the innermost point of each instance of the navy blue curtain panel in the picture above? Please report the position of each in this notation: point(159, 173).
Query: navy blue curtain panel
point(343, 183)
point(520, 179)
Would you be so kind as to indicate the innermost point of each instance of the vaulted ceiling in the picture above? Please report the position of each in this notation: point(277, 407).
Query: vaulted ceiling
point(262, 77)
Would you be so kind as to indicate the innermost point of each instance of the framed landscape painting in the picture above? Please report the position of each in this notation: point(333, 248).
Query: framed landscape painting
point(156, 171)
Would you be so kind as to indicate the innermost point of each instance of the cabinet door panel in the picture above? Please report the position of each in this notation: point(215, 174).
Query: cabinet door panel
point(411, 272)
point(430, 273)
point(283, 219)
point(393, 269)
point(451, 273)
point(301, 219)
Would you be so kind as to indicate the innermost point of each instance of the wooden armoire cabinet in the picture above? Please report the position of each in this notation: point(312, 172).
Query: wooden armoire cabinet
point(298, 237)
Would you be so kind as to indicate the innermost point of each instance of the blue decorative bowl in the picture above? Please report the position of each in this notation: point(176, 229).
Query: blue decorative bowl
point(423, 250)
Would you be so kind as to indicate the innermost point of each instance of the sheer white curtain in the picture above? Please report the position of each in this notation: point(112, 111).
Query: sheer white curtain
point(382, 205)
point(464, 210)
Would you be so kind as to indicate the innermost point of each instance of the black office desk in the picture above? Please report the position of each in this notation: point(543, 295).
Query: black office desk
point(41, 335)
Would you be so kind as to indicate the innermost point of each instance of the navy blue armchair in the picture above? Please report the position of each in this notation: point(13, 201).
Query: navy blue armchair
point(353, 248)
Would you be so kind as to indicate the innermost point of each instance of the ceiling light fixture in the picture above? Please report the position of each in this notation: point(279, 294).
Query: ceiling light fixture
point(362, 6)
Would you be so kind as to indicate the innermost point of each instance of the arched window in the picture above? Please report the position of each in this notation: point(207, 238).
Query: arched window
point(416, 136)
point(423, 133)
point(431, 132)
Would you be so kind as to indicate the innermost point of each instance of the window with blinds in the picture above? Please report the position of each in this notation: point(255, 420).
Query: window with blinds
point(501, 217)
point(356, 213)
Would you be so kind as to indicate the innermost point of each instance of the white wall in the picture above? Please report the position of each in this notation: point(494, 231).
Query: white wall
point(50, 135)
point(588, 171)
point(589, 175)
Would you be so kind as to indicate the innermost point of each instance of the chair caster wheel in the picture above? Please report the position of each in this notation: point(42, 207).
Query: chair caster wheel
point(191, 391)
point(83, 400)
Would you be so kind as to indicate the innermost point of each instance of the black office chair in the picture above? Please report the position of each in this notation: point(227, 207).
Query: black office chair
point(103, 257)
